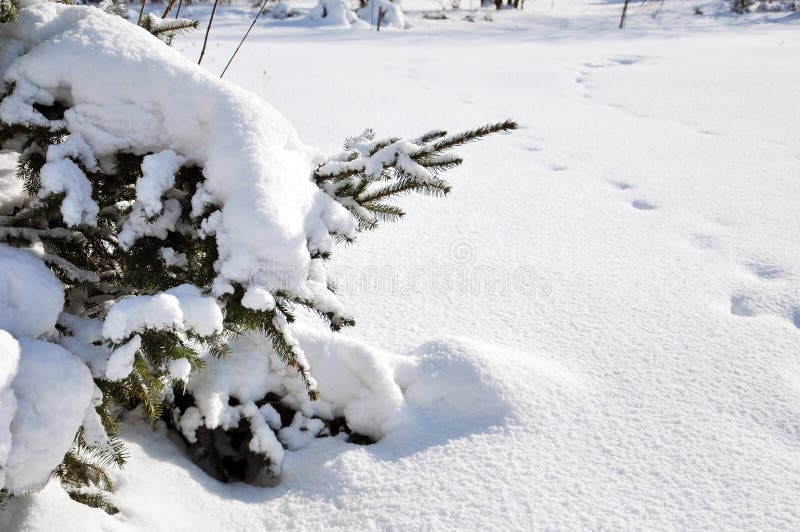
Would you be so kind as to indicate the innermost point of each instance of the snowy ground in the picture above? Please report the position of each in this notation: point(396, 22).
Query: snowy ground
point(602, 319)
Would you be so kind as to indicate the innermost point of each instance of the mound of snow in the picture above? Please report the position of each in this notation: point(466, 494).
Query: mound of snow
point(53, 390)
point(30, 295)
point(332, 12)
point(280, 10)
point(356, 382)
point(393, 16)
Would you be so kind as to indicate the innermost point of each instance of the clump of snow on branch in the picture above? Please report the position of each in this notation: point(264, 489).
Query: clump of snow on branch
point(120, 363)
point(181, 308)
point(30, 296)
point(356, 383)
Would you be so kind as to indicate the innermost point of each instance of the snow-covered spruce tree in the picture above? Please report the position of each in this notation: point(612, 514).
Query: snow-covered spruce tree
point(382, 13)
point(166, 226)
point(746, 6)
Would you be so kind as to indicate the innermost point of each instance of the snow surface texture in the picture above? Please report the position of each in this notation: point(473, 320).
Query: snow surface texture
point(641, 373)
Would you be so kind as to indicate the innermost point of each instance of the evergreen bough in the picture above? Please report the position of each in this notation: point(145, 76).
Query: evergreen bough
point(97, 271)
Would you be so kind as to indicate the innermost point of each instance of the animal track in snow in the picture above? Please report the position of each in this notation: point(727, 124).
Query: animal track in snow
point(704, 241)
point(773, 294)
point(584, 72)
point(742, 306)
point(643, 205)
point(765, 301)
point(626, 60)
point(640, 204)
point(766, 271)
point(614, 61)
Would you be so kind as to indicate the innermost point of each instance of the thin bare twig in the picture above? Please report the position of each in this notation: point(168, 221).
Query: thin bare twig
point(208, 30)
point(260, 10)
point(381, 14)
point(168, 9)
point(624, 10)
point(141, 12)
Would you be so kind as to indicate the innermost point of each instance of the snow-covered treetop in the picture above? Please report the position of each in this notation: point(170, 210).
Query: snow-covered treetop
point(257, 197)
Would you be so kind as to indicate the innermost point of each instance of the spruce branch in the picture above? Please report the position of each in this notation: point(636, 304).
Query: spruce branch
point(83, 474)
point(167, 29)
point(272, 324)
point(462, 138)
point(352, 177)
point(430, 135)
point(69, 271)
